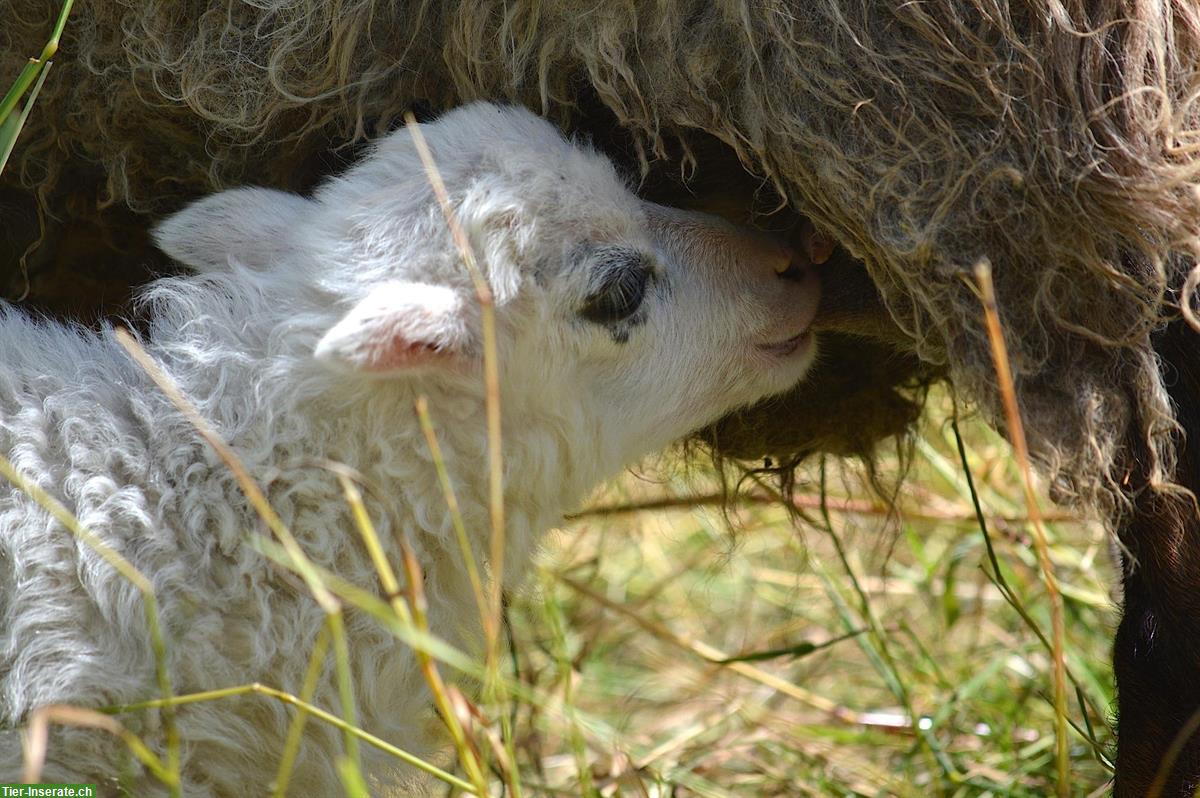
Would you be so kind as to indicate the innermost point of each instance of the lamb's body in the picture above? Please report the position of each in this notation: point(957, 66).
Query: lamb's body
point(279, 272)
point(82, 418)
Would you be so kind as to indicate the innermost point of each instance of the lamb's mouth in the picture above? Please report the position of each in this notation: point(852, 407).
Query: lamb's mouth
point(788, 347)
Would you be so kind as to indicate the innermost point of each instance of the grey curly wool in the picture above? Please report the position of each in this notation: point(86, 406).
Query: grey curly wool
point(1058, 140)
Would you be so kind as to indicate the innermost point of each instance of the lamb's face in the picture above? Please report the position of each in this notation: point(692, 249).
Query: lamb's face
point(660, 321)
point(649, 321)
point(640, 322)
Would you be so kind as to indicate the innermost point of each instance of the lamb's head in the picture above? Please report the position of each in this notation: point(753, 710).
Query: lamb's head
point(631, 323)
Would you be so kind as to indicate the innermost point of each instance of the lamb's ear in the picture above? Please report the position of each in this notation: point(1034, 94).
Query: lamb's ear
point(253, 226)
point(398, 327)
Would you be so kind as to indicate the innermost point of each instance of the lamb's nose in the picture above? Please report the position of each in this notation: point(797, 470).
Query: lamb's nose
point(817, 245)
point(791, 268)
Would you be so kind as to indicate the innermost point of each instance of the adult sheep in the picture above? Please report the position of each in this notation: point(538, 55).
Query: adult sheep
point(1057, 140)
point(309, 331)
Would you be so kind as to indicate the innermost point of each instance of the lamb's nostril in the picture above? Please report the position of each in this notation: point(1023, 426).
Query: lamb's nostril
point(820, 248)
point(794, 271)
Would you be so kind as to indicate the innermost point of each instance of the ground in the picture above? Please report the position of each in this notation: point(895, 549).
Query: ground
point(654, 718)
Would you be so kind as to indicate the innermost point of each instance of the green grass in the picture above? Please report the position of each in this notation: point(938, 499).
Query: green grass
point(26, 86)
point(855, 650)
point(942, 644)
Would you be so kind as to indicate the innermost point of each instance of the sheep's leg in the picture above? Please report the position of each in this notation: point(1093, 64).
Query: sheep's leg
point(1158, 682)
point(1157, 648)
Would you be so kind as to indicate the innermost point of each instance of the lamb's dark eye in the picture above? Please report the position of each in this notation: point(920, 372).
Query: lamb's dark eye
point(618, 286)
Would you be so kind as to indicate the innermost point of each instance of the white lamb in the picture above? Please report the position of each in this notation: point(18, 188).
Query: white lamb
point(305, 335)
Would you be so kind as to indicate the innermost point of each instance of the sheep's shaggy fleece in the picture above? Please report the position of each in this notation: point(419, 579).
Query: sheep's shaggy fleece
point(1057, 139)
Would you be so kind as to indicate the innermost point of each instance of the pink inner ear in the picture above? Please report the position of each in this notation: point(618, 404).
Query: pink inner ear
point(397, 354)
point(396, 328)
point(407, 340)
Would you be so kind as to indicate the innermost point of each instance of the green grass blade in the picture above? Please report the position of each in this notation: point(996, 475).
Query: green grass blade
point(11, 124)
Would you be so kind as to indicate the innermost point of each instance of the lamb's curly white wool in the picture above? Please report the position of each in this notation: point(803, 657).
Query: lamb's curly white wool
point(305, 334)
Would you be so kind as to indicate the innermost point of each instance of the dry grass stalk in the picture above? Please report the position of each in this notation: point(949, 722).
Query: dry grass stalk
point(38, 737)
point(414, 588)
point(1016, 434)
point(456, 519)
point(494, 685)
point(491, 374)
point(802, 502)
point(350, 729)
point(715, 656)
